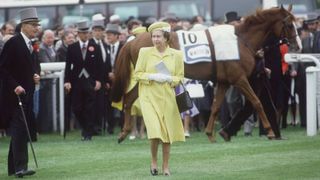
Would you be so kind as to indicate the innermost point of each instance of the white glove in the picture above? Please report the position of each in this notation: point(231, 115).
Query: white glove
point(161, 78)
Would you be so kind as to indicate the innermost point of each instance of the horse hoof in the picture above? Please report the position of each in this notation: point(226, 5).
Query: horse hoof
point(225, 135)
point(122, 136)
point(211, 138)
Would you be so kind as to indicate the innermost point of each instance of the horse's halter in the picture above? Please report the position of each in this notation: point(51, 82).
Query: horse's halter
point(286, 29)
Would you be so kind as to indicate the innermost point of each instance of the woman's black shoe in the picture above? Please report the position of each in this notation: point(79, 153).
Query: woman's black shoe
point(154, 171)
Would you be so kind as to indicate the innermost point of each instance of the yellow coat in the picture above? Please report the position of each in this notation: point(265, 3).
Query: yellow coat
point(157, 100)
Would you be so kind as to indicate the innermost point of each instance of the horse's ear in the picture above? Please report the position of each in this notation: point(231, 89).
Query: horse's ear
point(290, 7)
point(281, 7)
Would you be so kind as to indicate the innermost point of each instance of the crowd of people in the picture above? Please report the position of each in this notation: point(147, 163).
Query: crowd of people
point(90, 53)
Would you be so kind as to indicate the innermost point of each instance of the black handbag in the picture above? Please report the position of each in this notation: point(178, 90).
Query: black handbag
point(184, 101)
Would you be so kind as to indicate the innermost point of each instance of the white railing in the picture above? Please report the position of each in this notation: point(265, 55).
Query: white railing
point(58, 73)
point(312, 87)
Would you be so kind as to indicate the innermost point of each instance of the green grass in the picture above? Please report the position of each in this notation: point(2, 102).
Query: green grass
point(243, 158)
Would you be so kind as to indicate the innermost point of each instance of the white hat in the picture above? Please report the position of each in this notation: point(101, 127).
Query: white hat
point(98, 16)
point(114, 17)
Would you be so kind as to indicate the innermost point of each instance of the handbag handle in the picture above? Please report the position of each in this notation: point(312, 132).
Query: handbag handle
point(184, 88)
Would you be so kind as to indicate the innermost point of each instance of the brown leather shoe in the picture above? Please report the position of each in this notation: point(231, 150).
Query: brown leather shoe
point(224, 135)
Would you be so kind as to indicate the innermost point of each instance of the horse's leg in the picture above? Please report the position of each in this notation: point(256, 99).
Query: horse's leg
point(247, 91)
point(128, 100)
point(215, 108)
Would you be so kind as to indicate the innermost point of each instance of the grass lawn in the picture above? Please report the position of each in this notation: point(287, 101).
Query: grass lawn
point(243, 158)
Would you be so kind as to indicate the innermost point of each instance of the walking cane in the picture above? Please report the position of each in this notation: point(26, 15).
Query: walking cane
point(28, 132)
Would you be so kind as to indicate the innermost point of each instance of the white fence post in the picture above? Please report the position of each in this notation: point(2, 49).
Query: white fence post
point(313, 88)
point(311, 73)
point(58, 68)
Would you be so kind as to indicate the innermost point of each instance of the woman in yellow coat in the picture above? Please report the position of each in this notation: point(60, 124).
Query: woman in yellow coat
point(158, 71)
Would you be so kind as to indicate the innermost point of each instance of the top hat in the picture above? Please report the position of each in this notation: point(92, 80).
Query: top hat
point(83, 26)
point(311, 18)
point(113, 28)
point(170, 17)
point(28, 15)
point(232, 16)
point(98, 24)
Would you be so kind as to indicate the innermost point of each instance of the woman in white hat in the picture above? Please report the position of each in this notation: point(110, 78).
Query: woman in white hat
point(157, 95)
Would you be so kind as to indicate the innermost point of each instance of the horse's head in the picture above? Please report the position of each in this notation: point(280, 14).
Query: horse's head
point(286, 30)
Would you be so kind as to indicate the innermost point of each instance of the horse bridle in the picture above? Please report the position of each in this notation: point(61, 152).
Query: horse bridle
point(285, 34)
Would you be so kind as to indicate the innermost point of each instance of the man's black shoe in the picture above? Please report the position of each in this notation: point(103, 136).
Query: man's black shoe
point(24, 172)
point(86, 138)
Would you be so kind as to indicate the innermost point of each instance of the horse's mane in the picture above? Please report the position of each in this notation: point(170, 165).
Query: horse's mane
point(262, 16)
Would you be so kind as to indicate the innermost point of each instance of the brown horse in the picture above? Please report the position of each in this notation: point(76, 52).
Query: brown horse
point(252, 33)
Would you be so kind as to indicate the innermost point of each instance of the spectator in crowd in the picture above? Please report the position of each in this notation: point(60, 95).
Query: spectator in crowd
point(173, 20)
point(149, 21)
point(7, 28)
point(84, 78)
point(67, 39)
point(114, 46)
point(7, 31)
point(156, 94)
point(198, 23)
point(102, 94)
point(132, 24)
point(47, 52)
point(21, 73)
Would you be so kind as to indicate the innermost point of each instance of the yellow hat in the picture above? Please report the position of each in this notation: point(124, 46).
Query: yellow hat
point(139, 30)
point(159, 26)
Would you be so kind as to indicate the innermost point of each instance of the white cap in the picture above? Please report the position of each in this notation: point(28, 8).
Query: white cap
point(98, 17)
point(114, 17)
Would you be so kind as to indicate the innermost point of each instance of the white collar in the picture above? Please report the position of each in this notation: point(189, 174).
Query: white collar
point(81, 43)
point(115, 44)
point(26, 39)
point(97, 40)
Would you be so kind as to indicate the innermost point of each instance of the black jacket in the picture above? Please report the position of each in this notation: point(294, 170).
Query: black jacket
point(92, 63)
point(107, 64)
point(17, 67)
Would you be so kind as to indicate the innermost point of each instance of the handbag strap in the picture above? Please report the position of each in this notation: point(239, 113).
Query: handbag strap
point(184, 88)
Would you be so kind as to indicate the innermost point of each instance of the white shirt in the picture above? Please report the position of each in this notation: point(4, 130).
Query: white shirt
point(81, 44)
point(26, 39)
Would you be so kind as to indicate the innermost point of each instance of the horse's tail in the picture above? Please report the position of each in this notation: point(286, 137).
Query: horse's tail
point(122, 73)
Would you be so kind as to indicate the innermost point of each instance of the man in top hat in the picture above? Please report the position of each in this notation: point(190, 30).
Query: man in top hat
point(114, 46)
point(173, 20)
point(232, 18)
point(20, 69)
point(101, 101)
point(83, 77)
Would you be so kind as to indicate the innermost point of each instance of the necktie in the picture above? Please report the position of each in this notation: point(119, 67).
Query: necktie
point(112, 49)
point(83, 51)
point(30, 47)
point(102, 51)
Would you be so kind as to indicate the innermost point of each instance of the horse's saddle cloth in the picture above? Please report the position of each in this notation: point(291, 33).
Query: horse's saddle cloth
point(195, 45)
